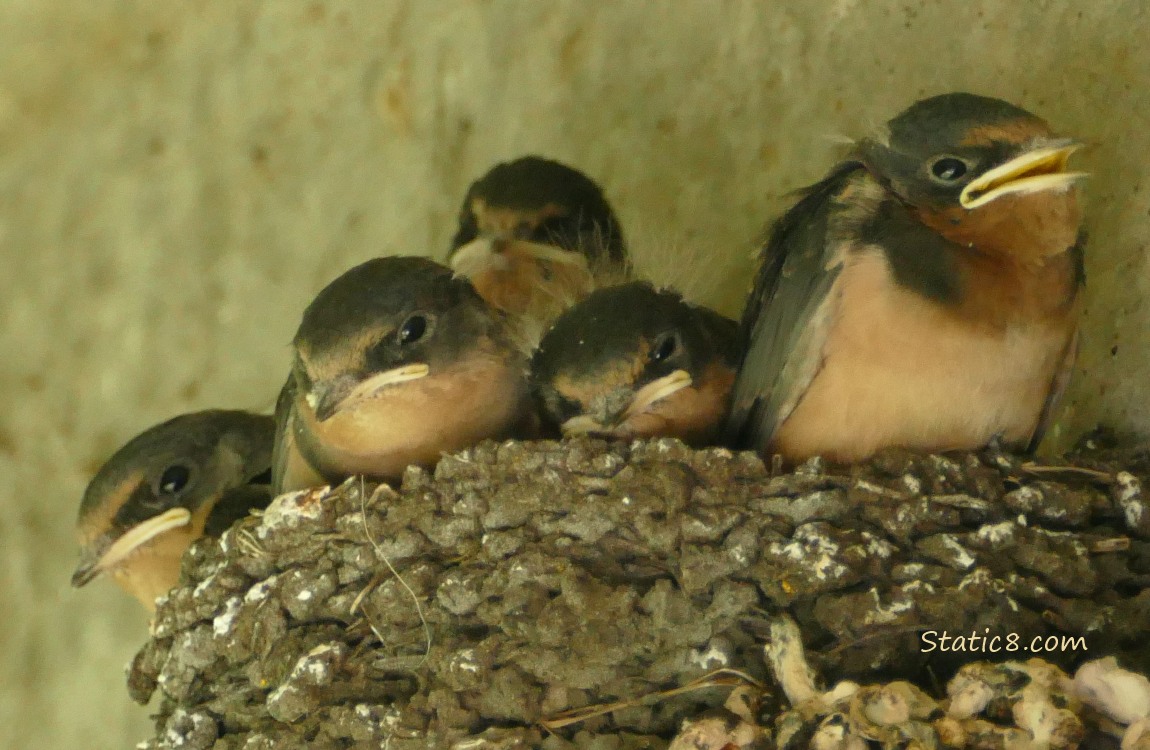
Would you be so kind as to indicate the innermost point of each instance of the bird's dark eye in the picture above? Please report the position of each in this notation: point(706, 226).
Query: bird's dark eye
point(665, 347)
point(412, 329)
point(948, 169)
point(174, 479)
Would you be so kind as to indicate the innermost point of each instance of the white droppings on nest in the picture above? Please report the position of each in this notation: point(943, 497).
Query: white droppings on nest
point(1016, 580)
point(318, 671)
point(226, 541)
point(962, 556)
point(313, 666)
point(880, 614)
point(1129, 497)
point(711, 658)
point(626, 500)
point(914, 587)
point(1031, 495)
point(258, 592)
point(205, 584)
point(289, 509)
point(914, 569)
point(977, 577)
point(996, 533)
point(1021, 520)
point(877, 546)
point(305, 595)
point(810, 547)
point(174, 738)
point(862, 484)
point(277, 695)
point(222, 623)
point(912, 483)
point(1128, 486)
point(464, 661)
point(739, 554)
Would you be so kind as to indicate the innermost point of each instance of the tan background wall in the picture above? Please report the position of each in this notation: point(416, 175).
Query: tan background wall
point(177, 179)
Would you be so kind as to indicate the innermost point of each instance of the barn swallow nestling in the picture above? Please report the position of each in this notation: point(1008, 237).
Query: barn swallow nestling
point(535, 236)
point(631, 361)
point(396, 362)
point(925, 294)
point(191, 476)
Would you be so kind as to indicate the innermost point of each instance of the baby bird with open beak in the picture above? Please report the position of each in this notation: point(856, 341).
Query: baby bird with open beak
point(924, 295)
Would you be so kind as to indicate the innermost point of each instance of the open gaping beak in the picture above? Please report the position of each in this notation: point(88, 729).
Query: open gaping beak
point(1040, 169)
point(327, 400)
point(129, 542)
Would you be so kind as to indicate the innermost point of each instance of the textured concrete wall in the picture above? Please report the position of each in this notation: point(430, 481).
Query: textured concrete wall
point(177, 179)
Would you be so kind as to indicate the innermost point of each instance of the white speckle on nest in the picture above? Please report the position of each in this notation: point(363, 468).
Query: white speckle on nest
point(260, 591)
point(226, 541)
point(1129, 497)
point(912, 483)
point(205, 584)
point(913, 569)
point(1021, 520)
point(1032, 496)
point(862, 484)
point(876, 546)
point(915, 586)
point(812, 548)
point(288, 509)
point(739, 554)
point(962, 556)
point(311, 665)
point(305, 595)
point(1128, 486)
point(465, 661)
point(626, 500)
point(722, 453)
point(713, 658)
point(979, 577)
point(278, 693)
point(880, 614)
point(996, 533)
point(223, 622)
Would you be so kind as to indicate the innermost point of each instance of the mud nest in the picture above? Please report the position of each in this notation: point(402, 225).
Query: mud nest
point(488, 603)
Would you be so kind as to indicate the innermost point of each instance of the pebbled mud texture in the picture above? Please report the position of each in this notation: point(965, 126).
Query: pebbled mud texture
point(473, 605)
